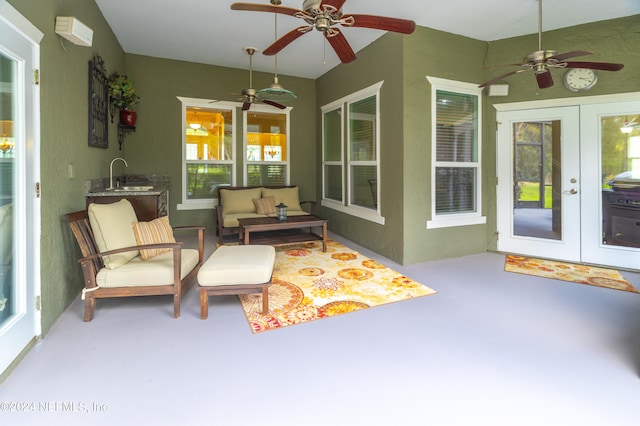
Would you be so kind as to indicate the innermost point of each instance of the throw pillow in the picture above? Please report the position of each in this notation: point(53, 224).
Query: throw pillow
point(265, 205)
point(157, 231)
point(111, 226)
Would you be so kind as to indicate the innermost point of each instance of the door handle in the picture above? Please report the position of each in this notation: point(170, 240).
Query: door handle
point(572, 191)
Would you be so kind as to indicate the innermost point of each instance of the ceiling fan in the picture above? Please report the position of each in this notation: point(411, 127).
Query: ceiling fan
point(324, 15)
point(628, 126)
point(541, 61)
point(249, 95)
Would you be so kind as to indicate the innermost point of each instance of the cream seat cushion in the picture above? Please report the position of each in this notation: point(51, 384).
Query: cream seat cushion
point(231, 220)
point(111, 226)
point(252, 264)
point(156, 271)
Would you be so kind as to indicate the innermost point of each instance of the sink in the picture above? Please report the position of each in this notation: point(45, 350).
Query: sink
point(134, 188)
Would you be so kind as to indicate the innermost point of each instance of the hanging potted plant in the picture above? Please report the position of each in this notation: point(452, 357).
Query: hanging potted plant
point(123, 98)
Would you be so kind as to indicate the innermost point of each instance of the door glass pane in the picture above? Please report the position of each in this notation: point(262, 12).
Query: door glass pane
point(620, 171)
point(8, 286)
point(537, 207)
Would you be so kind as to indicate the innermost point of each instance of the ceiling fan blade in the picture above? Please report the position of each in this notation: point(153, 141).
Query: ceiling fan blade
point(335, 3)
point(491, 67)
point(383, 23)
point(246, 105)
point(341, 46)
point(503, 76)
point(272, 103)
point(544, 79)
point(572, 54)
point(284, 41)
point(251, 7)
point(604, 66)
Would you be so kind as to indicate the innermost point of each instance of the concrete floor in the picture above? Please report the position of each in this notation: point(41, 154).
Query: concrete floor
point(491, 348)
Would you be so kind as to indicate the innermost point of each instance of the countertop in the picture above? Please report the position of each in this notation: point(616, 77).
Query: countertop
point(158, 188)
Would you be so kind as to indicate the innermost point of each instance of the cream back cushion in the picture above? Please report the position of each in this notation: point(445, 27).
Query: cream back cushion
point(239, 201)
point(111, 226)
point(288, 196)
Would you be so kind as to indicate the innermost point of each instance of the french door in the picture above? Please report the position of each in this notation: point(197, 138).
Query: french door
point(610, 137)
point(569, 183)
point(539, 186)
point(19, 173)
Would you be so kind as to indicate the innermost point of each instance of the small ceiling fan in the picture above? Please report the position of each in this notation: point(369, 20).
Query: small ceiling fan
point(249, 95)
point(324, 15)
point(628, 126)
point(541, 61)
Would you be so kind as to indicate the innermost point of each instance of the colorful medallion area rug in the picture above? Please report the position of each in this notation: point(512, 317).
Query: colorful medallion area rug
point(581, 274)
point(309, 284)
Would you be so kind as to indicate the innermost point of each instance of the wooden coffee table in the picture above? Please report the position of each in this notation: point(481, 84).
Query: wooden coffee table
point(274, 232)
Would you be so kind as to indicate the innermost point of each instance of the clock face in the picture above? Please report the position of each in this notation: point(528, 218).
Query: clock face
point(580, 79)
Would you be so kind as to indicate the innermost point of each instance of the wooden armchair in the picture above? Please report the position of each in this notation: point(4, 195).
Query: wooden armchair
point(170, 272)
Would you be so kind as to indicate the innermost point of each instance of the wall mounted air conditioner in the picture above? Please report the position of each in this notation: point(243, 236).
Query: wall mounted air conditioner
point(74, 31)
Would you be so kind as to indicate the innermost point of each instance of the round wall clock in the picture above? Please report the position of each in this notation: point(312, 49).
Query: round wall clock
point(580, 79)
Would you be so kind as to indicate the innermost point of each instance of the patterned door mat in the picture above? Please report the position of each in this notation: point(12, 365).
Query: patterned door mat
point(581, 274)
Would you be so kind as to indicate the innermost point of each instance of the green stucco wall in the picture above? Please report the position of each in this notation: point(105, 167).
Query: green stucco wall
point(430, 53)
point(156, 145)
point(403, 62)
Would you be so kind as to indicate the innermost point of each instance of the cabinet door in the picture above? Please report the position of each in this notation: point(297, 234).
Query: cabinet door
point(145, 206)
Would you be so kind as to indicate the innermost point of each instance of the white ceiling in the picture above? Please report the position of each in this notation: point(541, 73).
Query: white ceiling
point(209, 32)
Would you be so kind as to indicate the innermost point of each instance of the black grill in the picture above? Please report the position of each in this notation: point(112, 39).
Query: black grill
point(621, 211)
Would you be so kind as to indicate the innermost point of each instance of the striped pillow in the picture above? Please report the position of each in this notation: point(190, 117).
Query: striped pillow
point(265, 205)
point(157, 231)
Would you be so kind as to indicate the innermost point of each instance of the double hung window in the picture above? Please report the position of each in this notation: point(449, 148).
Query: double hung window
point(208, 138)
point(456, 147)
point(266, 146)
point(351, 154)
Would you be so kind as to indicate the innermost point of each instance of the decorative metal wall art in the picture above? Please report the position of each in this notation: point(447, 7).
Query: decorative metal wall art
point(98, 104)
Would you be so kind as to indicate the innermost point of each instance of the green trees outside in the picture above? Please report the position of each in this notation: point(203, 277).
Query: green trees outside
point(534, 157)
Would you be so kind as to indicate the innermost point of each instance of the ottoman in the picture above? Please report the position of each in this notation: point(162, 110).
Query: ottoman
point(236, 270)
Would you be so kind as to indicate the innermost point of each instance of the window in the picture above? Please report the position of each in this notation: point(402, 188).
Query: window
point(351, 154)
point(208, 151)
point(266, 146)
point(456, 173)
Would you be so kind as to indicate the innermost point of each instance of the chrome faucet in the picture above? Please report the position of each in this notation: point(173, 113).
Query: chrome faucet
point(111, 170)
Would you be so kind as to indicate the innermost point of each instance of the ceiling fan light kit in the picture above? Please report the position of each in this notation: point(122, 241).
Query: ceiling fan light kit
point(275, 91)
point(580, 77)
point(250, 96)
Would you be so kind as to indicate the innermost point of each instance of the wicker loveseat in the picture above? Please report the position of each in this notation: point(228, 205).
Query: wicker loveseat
point(238, 202)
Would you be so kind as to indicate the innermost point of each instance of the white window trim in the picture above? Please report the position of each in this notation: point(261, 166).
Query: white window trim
point(204, 103)
point(455, 219)
point(345, 206)
point(265, 109)
point(328, 202)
